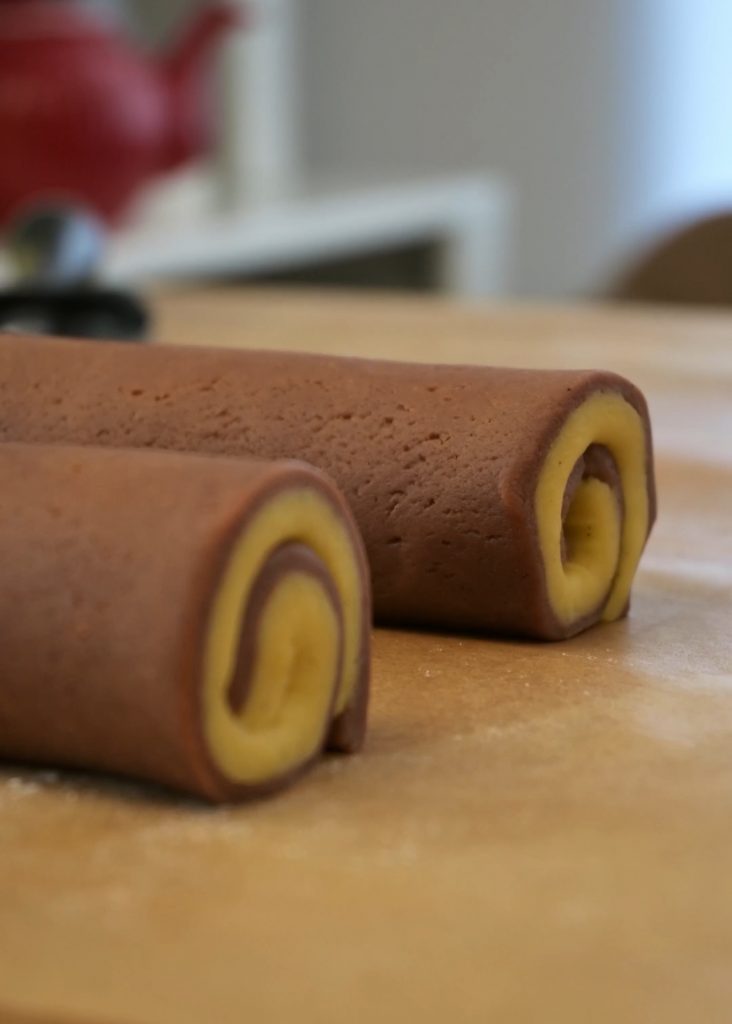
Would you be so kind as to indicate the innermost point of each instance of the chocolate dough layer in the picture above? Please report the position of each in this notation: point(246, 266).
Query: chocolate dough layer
point(440, 464)
point(123, 580)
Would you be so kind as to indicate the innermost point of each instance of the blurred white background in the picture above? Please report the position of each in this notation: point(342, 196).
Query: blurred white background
point(609, 119)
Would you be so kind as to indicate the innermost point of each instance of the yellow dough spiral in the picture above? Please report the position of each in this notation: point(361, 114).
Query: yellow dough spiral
point(281, 660)
point(590, 549)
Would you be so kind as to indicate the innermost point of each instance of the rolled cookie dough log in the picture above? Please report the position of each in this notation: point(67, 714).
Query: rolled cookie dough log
point(200, 622)
point(512, 501)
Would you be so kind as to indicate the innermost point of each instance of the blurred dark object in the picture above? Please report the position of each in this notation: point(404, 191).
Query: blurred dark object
point(74, 313)
point(55, 252)
point(57, 246)
point(691, 266)
point(85, 117)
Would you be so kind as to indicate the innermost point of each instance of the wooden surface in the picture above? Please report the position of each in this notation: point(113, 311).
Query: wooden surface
point(535, 833)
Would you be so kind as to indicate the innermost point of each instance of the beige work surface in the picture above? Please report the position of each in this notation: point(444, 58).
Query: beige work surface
point(534, 833)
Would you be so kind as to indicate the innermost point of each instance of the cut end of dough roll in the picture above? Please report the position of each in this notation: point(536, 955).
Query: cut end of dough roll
point(284, 654)
point(593, 510)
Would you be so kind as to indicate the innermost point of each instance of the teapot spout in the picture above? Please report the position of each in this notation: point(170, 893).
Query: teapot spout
point(185, 76)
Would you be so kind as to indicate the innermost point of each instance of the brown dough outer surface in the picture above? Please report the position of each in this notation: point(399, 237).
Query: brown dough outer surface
point(110, 561)
point(439, 463)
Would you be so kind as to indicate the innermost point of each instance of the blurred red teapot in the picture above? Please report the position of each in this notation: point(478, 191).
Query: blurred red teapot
point(84, 116)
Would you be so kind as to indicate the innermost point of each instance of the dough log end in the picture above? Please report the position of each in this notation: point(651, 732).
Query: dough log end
point(594, 508)
point(285, 665)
